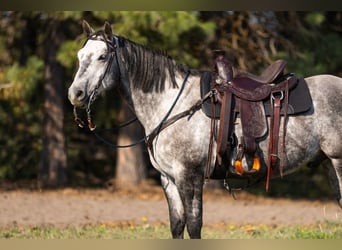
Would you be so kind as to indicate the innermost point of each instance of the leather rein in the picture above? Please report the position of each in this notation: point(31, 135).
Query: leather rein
point(165, 122)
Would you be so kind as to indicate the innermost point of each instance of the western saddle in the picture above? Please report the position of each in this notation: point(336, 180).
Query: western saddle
point(243, 95)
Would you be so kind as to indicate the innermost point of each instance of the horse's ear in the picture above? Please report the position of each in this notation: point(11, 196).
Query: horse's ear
point(86, 28)
point(108, 30)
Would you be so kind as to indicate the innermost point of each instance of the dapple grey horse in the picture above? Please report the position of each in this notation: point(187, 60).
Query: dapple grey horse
point(159, 89)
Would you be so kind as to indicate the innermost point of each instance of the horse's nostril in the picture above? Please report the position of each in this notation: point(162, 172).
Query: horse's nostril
point(79, 93)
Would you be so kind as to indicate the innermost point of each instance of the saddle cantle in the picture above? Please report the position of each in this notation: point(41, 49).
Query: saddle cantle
point(253, 98)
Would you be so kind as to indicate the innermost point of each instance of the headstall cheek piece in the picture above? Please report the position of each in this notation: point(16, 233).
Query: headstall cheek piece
point(111, 48)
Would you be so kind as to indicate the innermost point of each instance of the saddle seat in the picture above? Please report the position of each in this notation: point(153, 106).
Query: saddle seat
point(256, 88)
point(269, 75)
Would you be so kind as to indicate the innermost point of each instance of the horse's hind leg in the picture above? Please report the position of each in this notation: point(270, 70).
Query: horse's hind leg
point(176, 208)
point(335, 177)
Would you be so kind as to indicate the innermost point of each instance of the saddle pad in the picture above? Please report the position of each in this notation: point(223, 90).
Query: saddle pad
point(299, 98)
point(206, 80)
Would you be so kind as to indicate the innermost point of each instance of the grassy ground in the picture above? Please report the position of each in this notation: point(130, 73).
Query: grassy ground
point(325, 230)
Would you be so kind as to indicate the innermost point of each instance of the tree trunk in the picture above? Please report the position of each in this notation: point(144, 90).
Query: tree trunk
point(54, 159)
point(132, 163)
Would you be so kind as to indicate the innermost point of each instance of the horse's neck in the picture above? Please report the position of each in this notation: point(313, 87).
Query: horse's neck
point(151, 98)
point(152, 107)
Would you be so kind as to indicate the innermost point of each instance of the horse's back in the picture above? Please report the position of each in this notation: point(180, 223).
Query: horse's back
point(325, 81)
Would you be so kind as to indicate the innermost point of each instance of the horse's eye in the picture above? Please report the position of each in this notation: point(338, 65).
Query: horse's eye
point(102, 57)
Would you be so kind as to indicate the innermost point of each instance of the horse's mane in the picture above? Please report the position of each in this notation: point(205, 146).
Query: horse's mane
point(150, 68)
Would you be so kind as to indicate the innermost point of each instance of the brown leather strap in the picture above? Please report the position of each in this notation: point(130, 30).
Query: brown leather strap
point(225, 74)
point(211, 139)
point(286, 102)
point(225, 125)
point(274, 132)
point(276, 125)
point(274, 136)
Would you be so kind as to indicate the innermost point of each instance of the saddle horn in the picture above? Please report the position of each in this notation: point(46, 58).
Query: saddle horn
point(222, 66)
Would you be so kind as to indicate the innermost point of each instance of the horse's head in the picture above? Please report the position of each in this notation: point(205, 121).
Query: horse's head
point(97, 69)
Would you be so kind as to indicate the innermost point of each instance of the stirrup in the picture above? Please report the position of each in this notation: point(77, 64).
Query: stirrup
point(255, 168)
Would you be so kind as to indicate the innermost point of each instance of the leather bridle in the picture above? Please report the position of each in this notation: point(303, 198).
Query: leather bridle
point(166, 121)
point(112, 46)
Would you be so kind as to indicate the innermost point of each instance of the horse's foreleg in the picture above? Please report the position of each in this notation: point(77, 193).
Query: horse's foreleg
point(176, 208)
point(193, 191)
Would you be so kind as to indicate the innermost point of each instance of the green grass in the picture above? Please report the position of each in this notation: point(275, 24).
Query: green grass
point(326, 230)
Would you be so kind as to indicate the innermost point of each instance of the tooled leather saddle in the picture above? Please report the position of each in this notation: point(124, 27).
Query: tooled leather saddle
point(253, 98)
